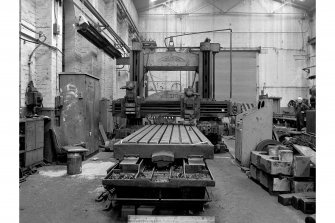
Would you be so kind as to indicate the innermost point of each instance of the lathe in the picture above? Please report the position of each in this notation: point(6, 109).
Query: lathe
point(164, 162)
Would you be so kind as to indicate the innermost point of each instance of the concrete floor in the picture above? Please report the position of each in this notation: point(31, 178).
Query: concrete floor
point(52, 196)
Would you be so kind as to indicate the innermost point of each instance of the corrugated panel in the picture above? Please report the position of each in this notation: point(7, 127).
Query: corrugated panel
point(244, 76)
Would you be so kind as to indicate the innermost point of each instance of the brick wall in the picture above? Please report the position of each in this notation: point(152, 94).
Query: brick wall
point(28, 14)
point(80, 55)
point(39, 15)
point(282, 36)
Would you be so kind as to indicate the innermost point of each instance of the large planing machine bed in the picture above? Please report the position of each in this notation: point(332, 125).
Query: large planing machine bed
point(181, 140)
point(162, 164)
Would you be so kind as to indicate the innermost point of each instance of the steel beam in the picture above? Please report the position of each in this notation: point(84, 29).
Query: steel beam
point(130, 19)
point(91, 8)
point(171, 61)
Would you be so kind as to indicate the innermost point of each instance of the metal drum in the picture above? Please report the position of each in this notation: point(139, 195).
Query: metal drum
point(73, 163)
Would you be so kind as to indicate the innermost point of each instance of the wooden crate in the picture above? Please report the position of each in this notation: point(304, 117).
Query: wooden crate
point(31, 137)
point(32, 130)
point(33, 157)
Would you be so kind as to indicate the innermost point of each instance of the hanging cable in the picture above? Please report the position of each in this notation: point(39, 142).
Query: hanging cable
point(230, 50)
point(37, 41)
point(32, 53)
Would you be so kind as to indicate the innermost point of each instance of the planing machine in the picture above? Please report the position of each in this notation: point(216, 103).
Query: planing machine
point(164, 162)
point(162, 165)
point(196, 105)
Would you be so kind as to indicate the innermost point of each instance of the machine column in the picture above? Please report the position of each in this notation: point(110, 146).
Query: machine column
point(204, 69)
point(207, 69)
point(215, 48)
point(136, 67)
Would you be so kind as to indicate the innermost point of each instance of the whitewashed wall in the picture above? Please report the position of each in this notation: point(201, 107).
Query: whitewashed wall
point(282, 36)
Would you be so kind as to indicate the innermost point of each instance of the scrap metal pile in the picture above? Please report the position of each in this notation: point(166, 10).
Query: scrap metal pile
point(298, 140)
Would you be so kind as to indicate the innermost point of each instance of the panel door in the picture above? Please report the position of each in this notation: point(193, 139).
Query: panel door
point(90, 113)
point(72, 129)
point(244, 76)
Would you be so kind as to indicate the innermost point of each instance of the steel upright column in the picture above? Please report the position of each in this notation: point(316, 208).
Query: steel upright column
point(136, 67)
point(207, 69)
point(205, 48)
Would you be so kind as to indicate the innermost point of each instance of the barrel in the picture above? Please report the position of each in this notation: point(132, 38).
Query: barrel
point(73, 163)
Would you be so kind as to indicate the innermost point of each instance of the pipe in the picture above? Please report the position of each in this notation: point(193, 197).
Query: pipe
point(161, 199)
point(130, 19)
point(36, 41)
point(20, 8)
point(231, 65)
point(180, 80)
point(94, 24)
point(194, 79)
point(264, 87)
point(220, 13)
point(230, 53)
point(91, 8)
point(30, 29)
point(193, 33)
point(248, 32)
point(32, 53)
point(309, 67)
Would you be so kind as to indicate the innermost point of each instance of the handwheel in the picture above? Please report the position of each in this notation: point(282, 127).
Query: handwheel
point(262, 146)
point(291, 103)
